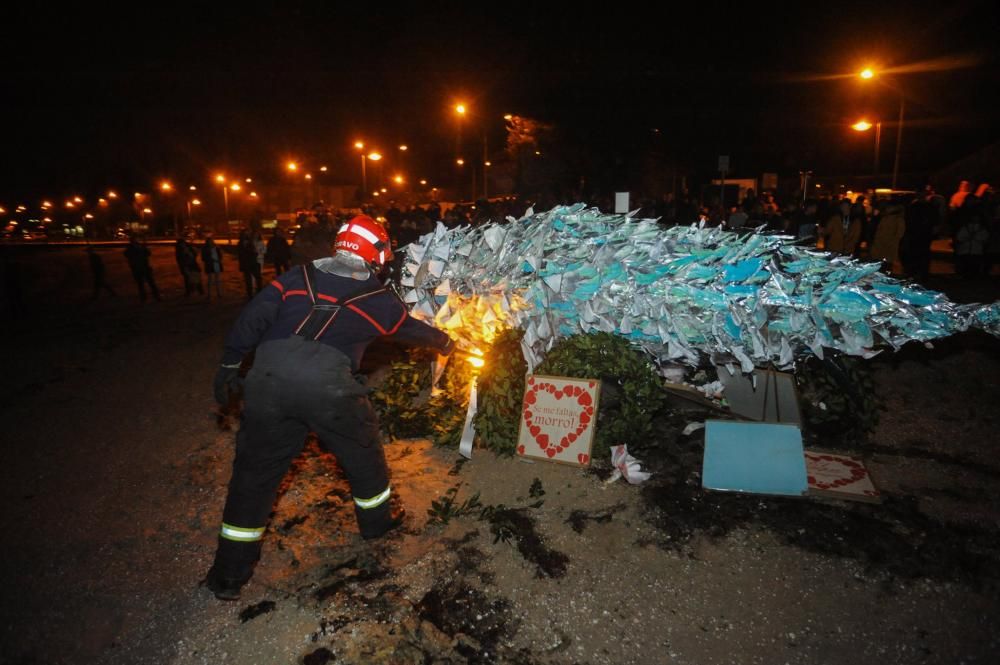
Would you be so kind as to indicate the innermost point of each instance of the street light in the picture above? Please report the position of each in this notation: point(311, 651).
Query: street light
point(167, 188)
point(868, 74)
point(359, 145)
point(376, 157)
point(192, 202)
point(221, 179)
point(461, 110)
point(863, 126)
point(403, 148)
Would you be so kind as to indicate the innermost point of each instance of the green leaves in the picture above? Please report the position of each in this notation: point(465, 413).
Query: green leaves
point(395, 399)
point(446, 508)
point(837, 396)
point(501, 389)
point(631, 393)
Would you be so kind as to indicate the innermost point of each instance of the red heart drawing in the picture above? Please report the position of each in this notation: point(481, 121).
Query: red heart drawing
point(543, 440)
point(857, 472)
point(583, 458)
point(520, 450)
point(551, 452)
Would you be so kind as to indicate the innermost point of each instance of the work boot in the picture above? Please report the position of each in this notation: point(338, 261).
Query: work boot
point(393, 520)
point(224, 588)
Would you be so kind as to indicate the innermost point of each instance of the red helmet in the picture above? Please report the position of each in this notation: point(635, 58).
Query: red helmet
point(365, 237)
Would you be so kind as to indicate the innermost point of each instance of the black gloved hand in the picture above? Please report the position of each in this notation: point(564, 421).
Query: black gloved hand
point(448, 348)
point(227, 380)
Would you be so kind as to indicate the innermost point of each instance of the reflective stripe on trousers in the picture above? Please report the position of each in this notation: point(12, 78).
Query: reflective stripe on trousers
point(241, 534)
point(375, 501)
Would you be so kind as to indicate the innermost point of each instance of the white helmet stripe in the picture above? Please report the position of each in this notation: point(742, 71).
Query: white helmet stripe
point(343, 228)
point(364, 233)
point(381, 257)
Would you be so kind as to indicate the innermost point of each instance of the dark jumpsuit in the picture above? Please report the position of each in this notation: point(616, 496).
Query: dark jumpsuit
point(298, 385)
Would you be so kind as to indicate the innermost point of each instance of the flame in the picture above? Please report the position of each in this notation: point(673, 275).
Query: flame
point(476, 362)
point(477, 320)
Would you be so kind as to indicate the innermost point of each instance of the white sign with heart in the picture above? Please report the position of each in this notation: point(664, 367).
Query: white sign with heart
point(558, 417)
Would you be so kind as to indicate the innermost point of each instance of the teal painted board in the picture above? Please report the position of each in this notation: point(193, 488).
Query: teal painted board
point(761, 458)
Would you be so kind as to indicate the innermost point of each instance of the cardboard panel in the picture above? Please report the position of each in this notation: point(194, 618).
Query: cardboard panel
point(761, 458)
point(558, 416)
point(839, 477)
point(774, 399)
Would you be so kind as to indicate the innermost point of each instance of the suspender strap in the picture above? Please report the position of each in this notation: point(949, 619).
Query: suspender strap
point(324, 308)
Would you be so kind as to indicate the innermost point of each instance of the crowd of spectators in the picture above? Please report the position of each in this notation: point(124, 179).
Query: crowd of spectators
point(897, 230)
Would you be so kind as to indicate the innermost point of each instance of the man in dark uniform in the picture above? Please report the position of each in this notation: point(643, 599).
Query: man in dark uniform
point(137, 256)
point(310, 328)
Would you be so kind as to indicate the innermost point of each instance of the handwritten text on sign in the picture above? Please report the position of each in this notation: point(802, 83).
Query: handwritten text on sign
point(557, 419)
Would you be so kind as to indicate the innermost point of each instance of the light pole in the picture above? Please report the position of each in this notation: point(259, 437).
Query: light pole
point(460, 111)
point(359, 145)
point(403, 150)
point(168, 189)
point(868, 74)
point(377, 158)
point(459, 114)
point(804, 180)
point(864, 126)
point(220, 178)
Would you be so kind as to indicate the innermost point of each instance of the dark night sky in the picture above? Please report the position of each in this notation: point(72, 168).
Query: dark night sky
point(96, 98)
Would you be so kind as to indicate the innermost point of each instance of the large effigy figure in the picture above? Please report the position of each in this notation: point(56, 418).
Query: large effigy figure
point(688, 295)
